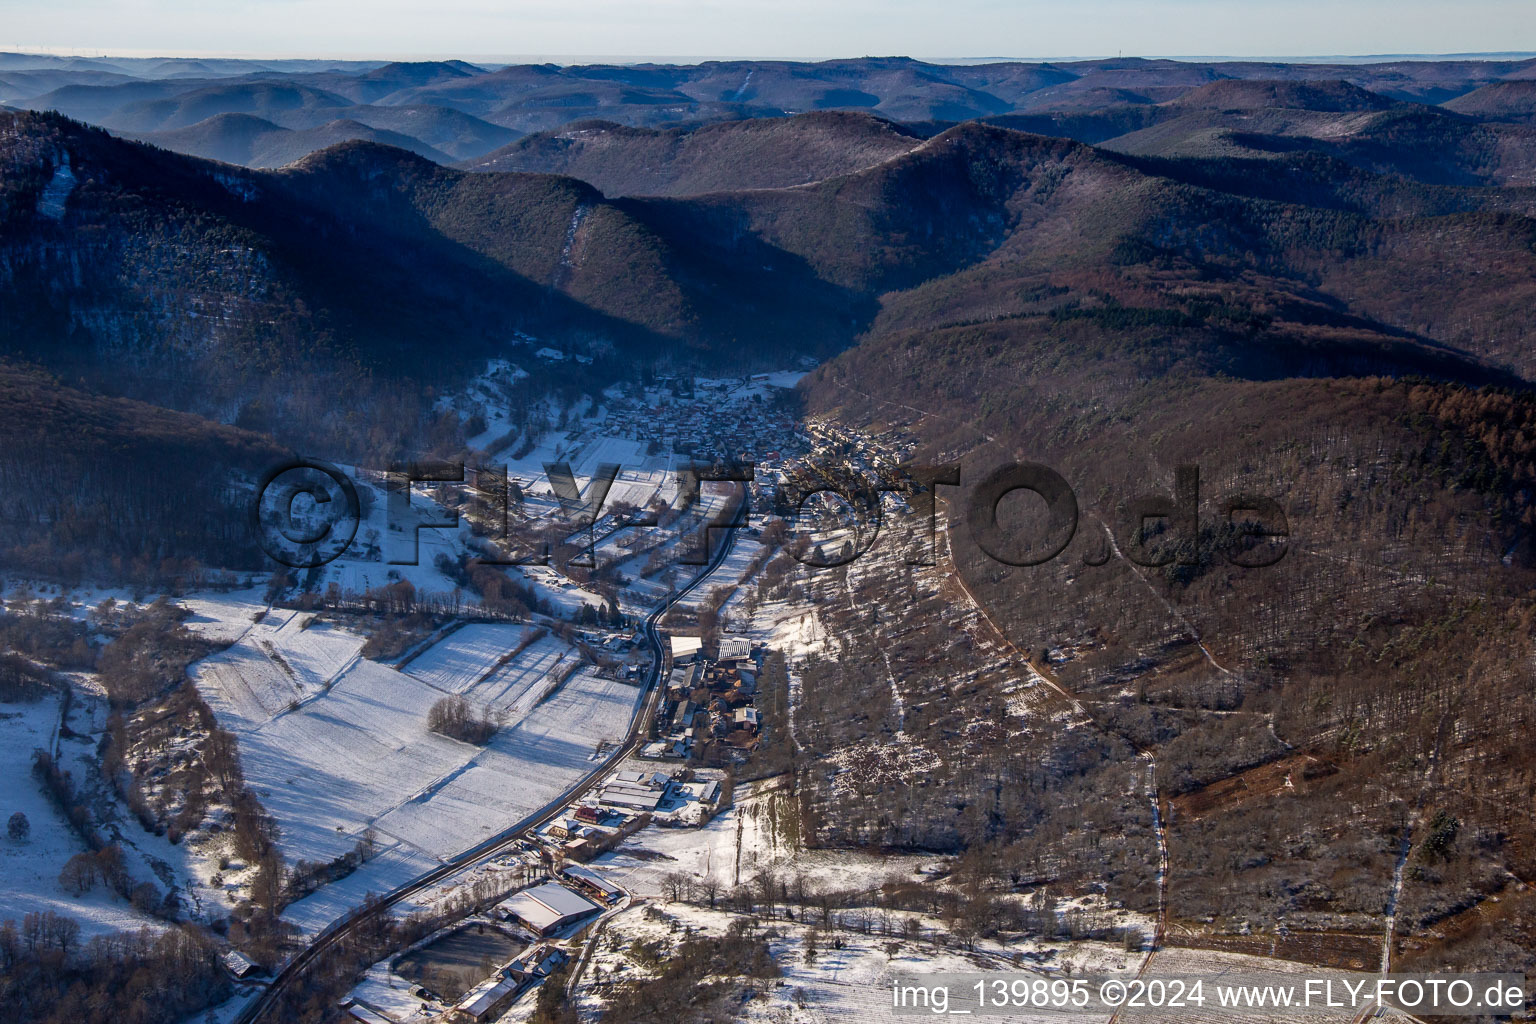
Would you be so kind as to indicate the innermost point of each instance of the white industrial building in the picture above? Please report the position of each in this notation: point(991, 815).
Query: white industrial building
point(548, 908)
point(359, 1012)
point(686, 648)
point(487, 1000)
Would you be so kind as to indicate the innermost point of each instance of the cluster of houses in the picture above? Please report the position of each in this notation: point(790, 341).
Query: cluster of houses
point(636, 791)
point(619, 807)
point(701, 417)
point(707, 699)
point(585, 830)
point(867, 452)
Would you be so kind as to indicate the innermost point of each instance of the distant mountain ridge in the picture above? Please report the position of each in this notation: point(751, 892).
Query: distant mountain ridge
point(728, 156)
point(1091, 98)
point(254, 142)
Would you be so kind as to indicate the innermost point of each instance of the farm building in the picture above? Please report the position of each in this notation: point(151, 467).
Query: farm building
point(487, 1000)
point(705, 792)
point(665, 749)
point(568, 828)
point(359, 1012)
point(684, 714)
point(590, 881)
point(634, 797)
point(547, 908)
point(537, 962)
point(238, 964)
point(646, 780)
point(685, 649)
point(735, 649)
point(684, 678)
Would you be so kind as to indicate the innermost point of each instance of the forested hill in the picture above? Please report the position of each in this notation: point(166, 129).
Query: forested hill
point(1301, 328)
point(367, 264)
point(110, 488)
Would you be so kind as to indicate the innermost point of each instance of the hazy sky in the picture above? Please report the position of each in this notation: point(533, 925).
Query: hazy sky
point(767, 28)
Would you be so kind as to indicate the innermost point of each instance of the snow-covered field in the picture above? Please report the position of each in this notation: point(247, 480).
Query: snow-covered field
point(524, 767)
point(276, 663)
point(357, 754)
point(738, 843)
point(641, 476)
point(390, 869)
point(518, 685)
point(385, 992)
point(224, 617)
point(29, 869)
point(466, 656)
point(329, 769)
point(853, 984)
point(731, 571)
point(851, 980)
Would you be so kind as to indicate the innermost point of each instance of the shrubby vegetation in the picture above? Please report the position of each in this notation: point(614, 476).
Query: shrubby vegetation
point(698, 982)
point(453, 717)
point(48, 976)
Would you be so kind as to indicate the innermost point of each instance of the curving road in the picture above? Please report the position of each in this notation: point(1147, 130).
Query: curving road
point(261, 1008)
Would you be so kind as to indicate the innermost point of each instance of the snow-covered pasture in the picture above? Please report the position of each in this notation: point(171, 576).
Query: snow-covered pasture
point(731, 572)
point(753, 835)
point(328, 769)
point(276, 663)
point(356, 754)
point(641, 476)
point(394, 866)
point(853, 984)
point(525, 766)
point(517, 686)
point(29, 868)
point(466, 656)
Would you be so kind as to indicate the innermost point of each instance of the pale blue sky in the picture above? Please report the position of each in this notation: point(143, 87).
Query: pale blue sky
point(805, 29)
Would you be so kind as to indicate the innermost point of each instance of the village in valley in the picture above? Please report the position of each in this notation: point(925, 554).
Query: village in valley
point(495, 770)
point(462, 783)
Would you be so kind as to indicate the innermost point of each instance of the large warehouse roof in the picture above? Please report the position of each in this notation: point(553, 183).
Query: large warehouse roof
point(549, 905)
point(686, 646)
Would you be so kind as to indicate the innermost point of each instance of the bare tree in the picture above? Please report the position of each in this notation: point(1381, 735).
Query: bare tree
point(79, 874)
